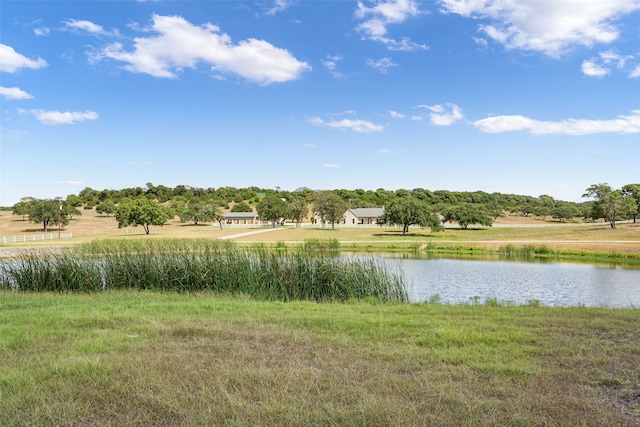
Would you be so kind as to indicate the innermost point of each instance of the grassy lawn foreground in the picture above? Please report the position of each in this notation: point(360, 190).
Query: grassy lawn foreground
point(145, 358)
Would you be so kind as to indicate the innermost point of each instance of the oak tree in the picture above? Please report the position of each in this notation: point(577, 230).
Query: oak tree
point(329, 207)
point(272, 208)
point(632, 190)
point(201, 212)
point(466, 214)
point(142, 211)
point(612, 205)
point(48, 212)
point(408, 211)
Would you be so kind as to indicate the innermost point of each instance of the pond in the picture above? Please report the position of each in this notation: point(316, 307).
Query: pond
point(458, 281)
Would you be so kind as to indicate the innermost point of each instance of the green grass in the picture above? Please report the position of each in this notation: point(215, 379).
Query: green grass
point(165, 358)
point(531, 251)
point(310, 272)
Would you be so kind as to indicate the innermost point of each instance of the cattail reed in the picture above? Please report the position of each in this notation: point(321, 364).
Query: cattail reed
point(178, 265)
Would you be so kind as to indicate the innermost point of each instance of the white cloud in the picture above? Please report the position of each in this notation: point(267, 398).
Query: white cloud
point(592, 69)
point(404, 44)
point(382, 64)
point(14, 93)
point(87, 26)
point(330, 165)
point(549, 26)
point(331, 63)
point(384, 13)
point(395, 114)
point(361, 126)
point(309, 145)
point(11, 61)
point(498, 124)
point(66, 183)
point(635, 72)
point(61, 118)
point(443, 115)
point(278, 6)
point(42, 31)
point(178, 44)
point(482, 42)
point(602, 64)
point(385, 151)
point(611, 56)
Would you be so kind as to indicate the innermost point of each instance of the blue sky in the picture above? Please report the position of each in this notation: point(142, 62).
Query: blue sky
point(515, 96)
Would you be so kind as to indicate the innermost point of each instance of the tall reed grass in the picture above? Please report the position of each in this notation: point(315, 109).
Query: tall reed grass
point(205, 265)
point(525, 251)
point(326, 246)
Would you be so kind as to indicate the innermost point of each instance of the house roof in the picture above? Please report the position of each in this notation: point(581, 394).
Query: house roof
point(367, 212)
point(241, 215)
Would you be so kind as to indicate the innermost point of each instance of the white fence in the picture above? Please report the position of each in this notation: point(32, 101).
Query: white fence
point(34, 237)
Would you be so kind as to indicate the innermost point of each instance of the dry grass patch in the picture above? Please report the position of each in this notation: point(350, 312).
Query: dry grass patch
point(91, 226)
point(600, 237)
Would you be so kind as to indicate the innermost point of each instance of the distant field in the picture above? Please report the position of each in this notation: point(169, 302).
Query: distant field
point(525, 230)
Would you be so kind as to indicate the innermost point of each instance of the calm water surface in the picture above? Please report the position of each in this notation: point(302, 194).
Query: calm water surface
point(458, 281)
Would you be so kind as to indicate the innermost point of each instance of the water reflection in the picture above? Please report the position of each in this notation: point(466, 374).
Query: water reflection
point(458, 281)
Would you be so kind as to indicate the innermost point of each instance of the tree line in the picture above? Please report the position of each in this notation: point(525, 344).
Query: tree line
point(155, 205)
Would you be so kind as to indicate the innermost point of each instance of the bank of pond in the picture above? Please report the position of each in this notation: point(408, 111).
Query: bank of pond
point(318, 271)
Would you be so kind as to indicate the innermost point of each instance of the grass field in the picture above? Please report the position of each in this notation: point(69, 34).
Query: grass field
point(151, 358)
point(592, 237)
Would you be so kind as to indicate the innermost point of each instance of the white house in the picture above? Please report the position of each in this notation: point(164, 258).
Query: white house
point(363, 216)
point(241, 218)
